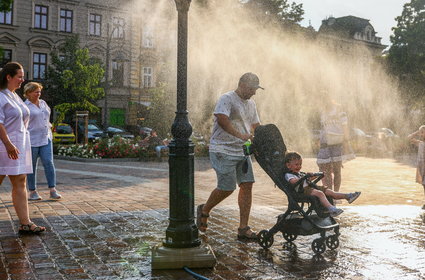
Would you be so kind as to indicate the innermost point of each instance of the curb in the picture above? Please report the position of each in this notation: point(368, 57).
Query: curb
point(95, 159)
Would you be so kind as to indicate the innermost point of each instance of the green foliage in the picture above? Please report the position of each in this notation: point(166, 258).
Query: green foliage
point(73, 79)
point(5, 5)
point(161, 112)
point(407, 53)
point(281, 11)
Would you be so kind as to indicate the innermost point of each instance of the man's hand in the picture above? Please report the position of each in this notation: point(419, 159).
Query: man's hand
point(246, 137)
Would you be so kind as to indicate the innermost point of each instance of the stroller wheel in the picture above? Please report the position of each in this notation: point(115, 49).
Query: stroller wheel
point(264, 240)
point(289, 237)
point(318, 246)
point(332, 242)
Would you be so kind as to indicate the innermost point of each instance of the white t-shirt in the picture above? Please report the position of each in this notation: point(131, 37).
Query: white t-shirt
point(39, 125)
point(242, 114)
point(332, 123)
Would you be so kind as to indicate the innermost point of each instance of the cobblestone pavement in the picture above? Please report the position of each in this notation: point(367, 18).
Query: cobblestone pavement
point(112, 213)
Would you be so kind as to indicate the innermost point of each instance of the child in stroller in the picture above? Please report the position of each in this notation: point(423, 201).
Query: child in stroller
point(305, 215)
point(293, 164)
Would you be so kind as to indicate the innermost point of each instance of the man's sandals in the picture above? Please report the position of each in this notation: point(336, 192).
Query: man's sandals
point(202, 226)
point(31, 228)
point(246, 234)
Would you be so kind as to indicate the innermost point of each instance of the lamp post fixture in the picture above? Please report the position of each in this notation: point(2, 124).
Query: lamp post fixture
point(182, 246)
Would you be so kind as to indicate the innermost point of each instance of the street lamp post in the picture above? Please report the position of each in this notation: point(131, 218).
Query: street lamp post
point(120, 58)
point(182, 246)
point(107, 86)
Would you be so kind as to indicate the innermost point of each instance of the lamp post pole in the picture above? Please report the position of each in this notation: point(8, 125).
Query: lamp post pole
point(107, 66)
point(182, 246)
point(182, 231)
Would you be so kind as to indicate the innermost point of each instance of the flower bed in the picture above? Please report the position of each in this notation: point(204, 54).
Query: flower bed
point(116, 147)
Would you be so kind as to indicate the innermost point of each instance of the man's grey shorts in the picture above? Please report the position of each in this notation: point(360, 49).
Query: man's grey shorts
point(229, 170)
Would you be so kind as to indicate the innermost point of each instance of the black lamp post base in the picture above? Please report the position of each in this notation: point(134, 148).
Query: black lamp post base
point(177, 258)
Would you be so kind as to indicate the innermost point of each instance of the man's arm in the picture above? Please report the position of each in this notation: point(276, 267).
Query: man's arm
point(227, 126)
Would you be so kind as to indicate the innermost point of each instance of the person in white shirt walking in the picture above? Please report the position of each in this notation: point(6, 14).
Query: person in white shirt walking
point(235, 118)
point(41, 141)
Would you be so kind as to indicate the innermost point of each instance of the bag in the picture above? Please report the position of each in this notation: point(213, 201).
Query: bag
point(334, 139)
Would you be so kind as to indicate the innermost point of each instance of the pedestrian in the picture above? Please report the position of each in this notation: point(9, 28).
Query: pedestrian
point(155, 142)
point(418, 138)
point(235, 118)
point(293, 164)
point(40, 131)
point(15, 146)
point(334, 146)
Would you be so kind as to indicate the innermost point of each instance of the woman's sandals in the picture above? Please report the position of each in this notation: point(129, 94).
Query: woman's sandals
point(31, 228)
point(202, 226)
point(246, 234)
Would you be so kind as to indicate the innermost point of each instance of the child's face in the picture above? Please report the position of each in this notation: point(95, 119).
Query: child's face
point(295, 165)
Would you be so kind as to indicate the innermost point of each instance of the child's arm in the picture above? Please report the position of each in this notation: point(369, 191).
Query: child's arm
point(412, 137)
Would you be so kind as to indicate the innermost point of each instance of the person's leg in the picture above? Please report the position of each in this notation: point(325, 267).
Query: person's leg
point(158, 151)
point(326, 168)
point(245, 202)
point(2, 178)
point(215, 198)
point(336, 170)
point(224, 168)
point(322, 197)
point(19, 198)
point(32, 178)
point(423, 207)
point(46, 156)
point(336, 195)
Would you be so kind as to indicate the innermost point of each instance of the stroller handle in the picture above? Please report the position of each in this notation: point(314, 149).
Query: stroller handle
point(319, 175)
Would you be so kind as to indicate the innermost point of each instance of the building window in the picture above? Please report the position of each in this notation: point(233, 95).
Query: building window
point(95, 24)
point(39, 65)
point(118, 27)
point(117, 73)
point(40, 17)
point(6, 17)
point(147, 38)
point(5, 57)
point(147, 77)
point(66, 20)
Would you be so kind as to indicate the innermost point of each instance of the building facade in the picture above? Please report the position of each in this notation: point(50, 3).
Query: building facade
point(347, 34)
point(118, 32)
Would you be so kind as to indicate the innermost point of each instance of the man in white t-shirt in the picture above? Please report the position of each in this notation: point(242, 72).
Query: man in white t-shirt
point(235, 117)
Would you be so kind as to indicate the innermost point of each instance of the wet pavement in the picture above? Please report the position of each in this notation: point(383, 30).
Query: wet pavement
point(112, 213)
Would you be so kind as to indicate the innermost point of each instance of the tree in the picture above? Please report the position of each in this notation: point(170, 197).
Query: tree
point(73, 80)
point(5, 5)
point(281, 11)
point(406, 56)
point(161, 112)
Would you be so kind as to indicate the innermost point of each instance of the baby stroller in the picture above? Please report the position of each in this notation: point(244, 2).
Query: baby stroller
point(305, 214)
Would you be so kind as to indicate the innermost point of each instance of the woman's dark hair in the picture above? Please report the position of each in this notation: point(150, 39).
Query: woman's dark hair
point(11, 69)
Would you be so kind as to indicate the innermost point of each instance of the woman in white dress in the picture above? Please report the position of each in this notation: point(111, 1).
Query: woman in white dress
point(15, 147)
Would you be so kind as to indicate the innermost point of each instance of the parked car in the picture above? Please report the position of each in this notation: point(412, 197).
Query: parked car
point(63, 133)
point(361, 142)
point(138, 130)
point(387, 140)
point(93, 132)
point(112, 131)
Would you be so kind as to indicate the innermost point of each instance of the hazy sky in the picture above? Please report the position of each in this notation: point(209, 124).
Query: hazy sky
point(381, 13)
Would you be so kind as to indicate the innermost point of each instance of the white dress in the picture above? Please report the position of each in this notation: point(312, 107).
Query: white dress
point(14, 115)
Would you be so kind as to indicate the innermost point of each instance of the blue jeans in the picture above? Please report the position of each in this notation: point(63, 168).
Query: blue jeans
point(158, 150)
point(46, 155)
